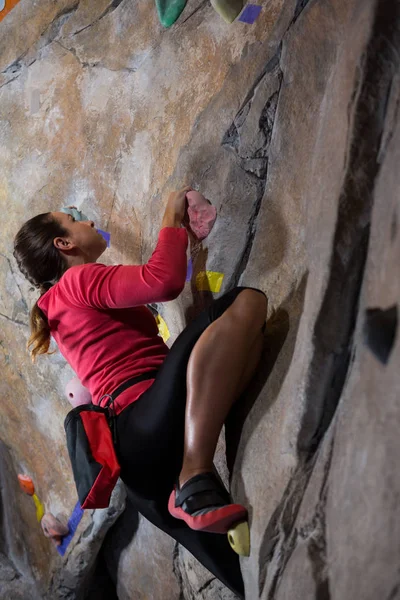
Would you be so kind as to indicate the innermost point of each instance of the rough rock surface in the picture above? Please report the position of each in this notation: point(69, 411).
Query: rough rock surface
point(291, 128)
point(73, 580)
point(16, 575)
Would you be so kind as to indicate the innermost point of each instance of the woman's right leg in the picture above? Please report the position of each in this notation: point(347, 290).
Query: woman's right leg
point(221, 364)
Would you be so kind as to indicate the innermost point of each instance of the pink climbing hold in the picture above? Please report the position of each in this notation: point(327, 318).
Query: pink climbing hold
point(76, 393)
point(53, 528)
point(201, 213)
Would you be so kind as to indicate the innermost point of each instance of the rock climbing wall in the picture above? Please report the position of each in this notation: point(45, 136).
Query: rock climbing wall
point(290, 127)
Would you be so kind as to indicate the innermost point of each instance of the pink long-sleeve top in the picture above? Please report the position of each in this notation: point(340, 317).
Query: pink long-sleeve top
point(96, 316)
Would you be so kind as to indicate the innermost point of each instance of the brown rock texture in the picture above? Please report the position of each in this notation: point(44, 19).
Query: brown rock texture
point(290, 127)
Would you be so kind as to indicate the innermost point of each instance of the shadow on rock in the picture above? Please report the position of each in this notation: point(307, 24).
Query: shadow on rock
point(102, 586)
point(117, 539)
point(280, 340)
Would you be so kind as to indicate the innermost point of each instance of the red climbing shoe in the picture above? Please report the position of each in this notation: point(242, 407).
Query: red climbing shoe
point(204, 504)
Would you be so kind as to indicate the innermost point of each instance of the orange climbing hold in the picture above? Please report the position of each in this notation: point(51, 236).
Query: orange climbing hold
point(26, 484)
point(6, 6)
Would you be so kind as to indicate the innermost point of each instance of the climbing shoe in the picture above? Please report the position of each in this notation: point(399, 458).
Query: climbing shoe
point(204, 504)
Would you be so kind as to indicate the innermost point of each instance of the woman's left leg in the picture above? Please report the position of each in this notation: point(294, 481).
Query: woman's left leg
point(211, 549)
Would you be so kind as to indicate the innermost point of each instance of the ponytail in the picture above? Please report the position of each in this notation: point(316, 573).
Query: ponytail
point(39, 340)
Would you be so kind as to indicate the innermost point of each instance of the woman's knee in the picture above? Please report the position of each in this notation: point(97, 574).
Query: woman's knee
point(251, 305)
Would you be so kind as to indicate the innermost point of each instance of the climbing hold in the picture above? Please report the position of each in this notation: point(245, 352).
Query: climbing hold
point(239, 538)
point(53, 528)
point(209, 281)
point(106, 236)
point(74, 212)
point(250, 13)
point(39, 508)
point(162, 328)
point(189, 271)
point(201, 214)
point(73, 523)
point(169, 11)
point(6, 6)
point(26, 484)
point(228, 9)
point(380, 329)
point(77, 393)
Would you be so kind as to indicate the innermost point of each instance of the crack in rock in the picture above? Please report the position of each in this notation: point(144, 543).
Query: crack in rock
point(196, 10)
point(249, 137)
point(333, 345)
point(54, 28)
point(15, 66)
point(16, 321)
point(110, 8)
point(206, 585)
point(9, 81)
point(300, 6)
point(286, 535)
point(279, 538)
point(46, 38)
point(394, 593)
point(23, 301)
point(98, 64)
point(50, 35)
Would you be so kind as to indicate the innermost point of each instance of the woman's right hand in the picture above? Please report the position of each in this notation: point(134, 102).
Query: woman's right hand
point(176, 208)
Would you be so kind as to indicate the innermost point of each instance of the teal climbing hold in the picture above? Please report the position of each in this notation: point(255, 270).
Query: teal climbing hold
point(74, 212)
point(169, 11)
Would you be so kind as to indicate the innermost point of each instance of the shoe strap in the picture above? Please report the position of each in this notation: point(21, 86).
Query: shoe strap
point(205, 482)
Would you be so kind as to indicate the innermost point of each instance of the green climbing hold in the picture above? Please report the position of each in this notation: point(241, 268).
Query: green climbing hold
point(169, 11)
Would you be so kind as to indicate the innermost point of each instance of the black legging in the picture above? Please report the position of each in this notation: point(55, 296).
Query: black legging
point(150, 450)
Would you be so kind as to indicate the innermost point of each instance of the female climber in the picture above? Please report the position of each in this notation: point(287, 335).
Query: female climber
point(170, 418)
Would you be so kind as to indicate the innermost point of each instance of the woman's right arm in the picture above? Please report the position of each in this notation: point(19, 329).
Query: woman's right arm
point(161, 279)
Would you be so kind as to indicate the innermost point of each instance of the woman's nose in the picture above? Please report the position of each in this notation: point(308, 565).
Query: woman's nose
point(90, 223)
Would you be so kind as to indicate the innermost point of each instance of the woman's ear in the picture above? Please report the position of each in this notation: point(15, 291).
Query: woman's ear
point(63, 244)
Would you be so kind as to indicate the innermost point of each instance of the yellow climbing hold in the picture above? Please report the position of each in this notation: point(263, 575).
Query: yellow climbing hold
point(239, 538)
point(162, 328)
point(39, 508)
point(209, 281)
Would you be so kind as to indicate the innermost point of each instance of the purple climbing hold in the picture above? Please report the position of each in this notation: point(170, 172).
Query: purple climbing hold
point(189, 272)
point(250, 13)
point(73, 523)
point(106, 236)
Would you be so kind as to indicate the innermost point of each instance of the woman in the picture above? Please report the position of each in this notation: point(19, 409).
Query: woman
point(169, 420)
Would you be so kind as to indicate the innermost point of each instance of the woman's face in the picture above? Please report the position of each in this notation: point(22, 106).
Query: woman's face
point(81, 235)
